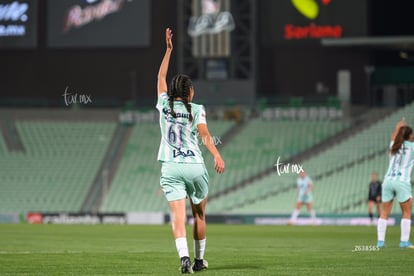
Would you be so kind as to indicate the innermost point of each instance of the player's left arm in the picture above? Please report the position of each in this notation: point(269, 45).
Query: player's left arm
point(209, 143)
point(162, 73)
point(397, 128)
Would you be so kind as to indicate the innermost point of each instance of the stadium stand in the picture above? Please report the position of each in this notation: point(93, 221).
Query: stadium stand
point(260, 143)
point(58, 164)
point(3, 147)
point(61, 159)
point(133, 187)
point(135, 184)
point(341, 174)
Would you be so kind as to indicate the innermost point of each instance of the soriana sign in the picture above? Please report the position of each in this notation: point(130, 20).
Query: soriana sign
point(311, 20)
point(310, 9)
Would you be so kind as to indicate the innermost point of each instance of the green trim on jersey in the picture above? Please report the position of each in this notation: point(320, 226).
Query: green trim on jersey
point(179, 136)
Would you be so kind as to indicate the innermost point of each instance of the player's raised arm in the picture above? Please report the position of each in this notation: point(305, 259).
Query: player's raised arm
point(397, 128)
point(162, 73)
point(209, 143)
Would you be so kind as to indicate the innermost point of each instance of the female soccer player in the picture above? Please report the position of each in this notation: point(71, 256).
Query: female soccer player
point(304, 195)
point(397, 183)
point(183, 173)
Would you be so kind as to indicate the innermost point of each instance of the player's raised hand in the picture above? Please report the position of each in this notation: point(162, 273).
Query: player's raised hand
point(401, 123)
point(168, 38)
point(218, 164)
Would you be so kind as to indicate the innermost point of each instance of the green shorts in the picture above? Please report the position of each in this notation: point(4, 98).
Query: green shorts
point(395, 189)
point(304, 198)
point(179, 180)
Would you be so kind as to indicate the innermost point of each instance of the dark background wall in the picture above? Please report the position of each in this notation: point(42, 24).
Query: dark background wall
point(100, 72)
point(293, 67)
point(295, 71)
point(117, 75)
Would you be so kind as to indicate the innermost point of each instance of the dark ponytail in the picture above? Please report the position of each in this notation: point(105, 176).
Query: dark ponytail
point(171, 103)
point(188, 107)
point(403, 135)
point(180, 88)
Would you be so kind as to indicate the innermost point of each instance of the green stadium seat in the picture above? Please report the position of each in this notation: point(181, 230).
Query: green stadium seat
point(58, 166)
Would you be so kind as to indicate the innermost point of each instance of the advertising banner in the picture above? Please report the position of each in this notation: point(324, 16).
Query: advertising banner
point(18, 24)
point(76, 218)
point(98, 218)
point(98, 23)
point(306, 21)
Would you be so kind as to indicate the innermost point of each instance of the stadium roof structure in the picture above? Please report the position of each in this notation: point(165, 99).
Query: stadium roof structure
point(402, 43)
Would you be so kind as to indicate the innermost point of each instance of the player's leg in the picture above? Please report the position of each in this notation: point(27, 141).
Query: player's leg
point(370, 206)
point(406, 223)
point(175, 191)
point(198, 210)
point(295, 212)
point(404, 196)
point(199, 234)
point(197, 187)
point(311, 211)
point(387, 197)
point(178, 212)
point(382, 223)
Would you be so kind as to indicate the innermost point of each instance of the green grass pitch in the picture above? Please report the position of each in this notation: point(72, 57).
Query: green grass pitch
point(231, 250)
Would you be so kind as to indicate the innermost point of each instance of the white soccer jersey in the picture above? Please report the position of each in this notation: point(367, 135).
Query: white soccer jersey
point(179, 136)
point(401, 163)
point(303, 184)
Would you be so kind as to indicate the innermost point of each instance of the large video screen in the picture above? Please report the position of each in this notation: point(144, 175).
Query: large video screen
point(98, 23)
point(304, 21)
point(18, 24)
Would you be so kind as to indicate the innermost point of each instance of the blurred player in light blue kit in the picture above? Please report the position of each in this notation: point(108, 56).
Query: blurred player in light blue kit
point(304, 196)
point(397, 183)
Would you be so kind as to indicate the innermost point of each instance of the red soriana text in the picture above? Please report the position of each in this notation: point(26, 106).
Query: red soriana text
point(77, 16)
point(312, 31)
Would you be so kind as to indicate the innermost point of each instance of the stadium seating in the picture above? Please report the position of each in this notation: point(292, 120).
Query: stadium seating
point(61, 159)
point(343, 174)
point(253, 198)
point(55, 171)
point(259, 144)
point(3, 147)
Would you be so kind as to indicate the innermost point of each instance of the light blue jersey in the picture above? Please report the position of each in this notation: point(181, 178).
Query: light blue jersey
point(303, 187)
point(179, 136)
point(303, 184)
point(401, 163)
